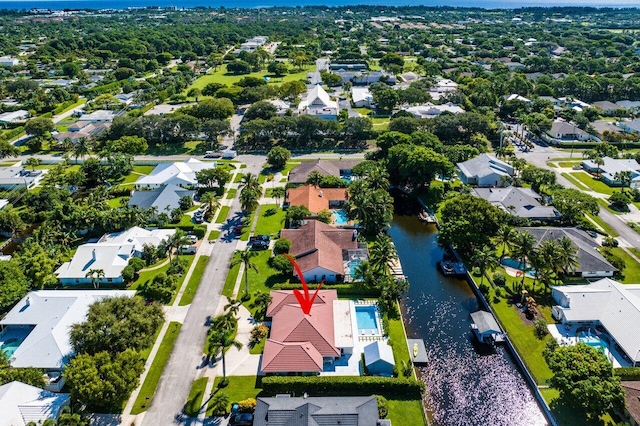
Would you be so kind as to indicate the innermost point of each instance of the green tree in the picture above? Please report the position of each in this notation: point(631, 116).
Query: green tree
point(391, 62)
point(504, 236)
point(32, 162)
point(279, 193)
point(383, 254)
point(261, 109)
point(620, 201)
point(296, 214)
point(523, 247)
point(160, 288)
point(485, 259)
point(194, 93)
point(7, 149)
point(325, 216)
point(11, 222)
point(219, 342)
point(13, 284)
point(115, 324)
point(245, 257)
point(209, 199)
point(278, 157)
point(585, 378)
point(39, 127)
point(133, 145)
point(211, 178)
point(96, 275)
point(386, 100)
point(261, 302)
point(573, 203)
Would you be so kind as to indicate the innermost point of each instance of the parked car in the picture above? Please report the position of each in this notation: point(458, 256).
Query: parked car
point(592, 234)
point(259, 245)
point(193, 239)
point(242, 419)
point(230, 154)
point(191, 249)
point(212, 154)
point(265, 238)
point(198, 219)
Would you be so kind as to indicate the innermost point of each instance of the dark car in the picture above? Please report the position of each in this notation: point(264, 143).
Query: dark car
point(264, 238)
point(259, 245)
point(242, 419)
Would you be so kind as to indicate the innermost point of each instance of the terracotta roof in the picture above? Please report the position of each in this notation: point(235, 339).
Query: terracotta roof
point(314, 198)
point(290, 357)
point(300, 173)
point(280, 298)
point(632, 398)
point(316, 244)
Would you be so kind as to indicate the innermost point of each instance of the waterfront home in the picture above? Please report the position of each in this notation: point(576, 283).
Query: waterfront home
point(602, 305)
point(164, 198)
point(609, 172)
point(485, 170)
point(521, 202)
point(180, 173)
point(284, 410)
point(22, 404)
point(111, 254)
point(320, 250)
point(35, 333)
point(338, 168)
point(319, 104)
point(591, 264)
point(16, 176)
point(317, 199)
point(378, 358)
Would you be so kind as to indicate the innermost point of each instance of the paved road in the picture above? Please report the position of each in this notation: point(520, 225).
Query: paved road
point(539, 157)
point(187, 355)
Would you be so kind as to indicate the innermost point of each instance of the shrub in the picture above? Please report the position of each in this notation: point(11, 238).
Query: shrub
point(341, 385)
point(540, 328)
point(137, 264)
point(258, 333)
point(383, 406)
point(219, 403)
point(281, 264)
point(178, 266)
point(353, 289)
point(499, 292)
point(247, 405)
point(283, 245)
point(499, 279)
point(627, 374)
point(484, 288)
point(160, 288)
point(476, 271)
point(325, 216)
point(128, 274)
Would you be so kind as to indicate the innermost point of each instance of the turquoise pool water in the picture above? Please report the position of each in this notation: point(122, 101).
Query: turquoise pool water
point(346, 178)
point(340, 217)
point(594, 342)
point(353, 266)
point(516, 264)
point(366, 318)
point(9, 347)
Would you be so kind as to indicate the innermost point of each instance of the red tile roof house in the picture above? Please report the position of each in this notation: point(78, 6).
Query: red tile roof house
point(302, 343)
point(318, 249)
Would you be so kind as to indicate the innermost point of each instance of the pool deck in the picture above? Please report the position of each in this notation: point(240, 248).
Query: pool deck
point(566, 335)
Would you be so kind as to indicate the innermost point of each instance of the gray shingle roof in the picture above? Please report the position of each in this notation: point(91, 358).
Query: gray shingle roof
point(521, 202)
point(484, 165)
point(166, 195)
point(300, 173)
point(313, 411)
point(485, 322)
point(589, 259)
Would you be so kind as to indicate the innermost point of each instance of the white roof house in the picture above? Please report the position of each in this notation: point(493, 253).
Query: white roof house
point(21, 404)
point(516, 97)
point(484, 170)
point(361, 97)
point(40, 325)
point(615, 306)
point(430, 110)
point(111, 254)
point(611, 168)
point(444, 85)
point(178, 173)
point(14, 116)
point(100, 116)
point(8, 61)
point(281, 106)
point(16, 176)
point(319, 103)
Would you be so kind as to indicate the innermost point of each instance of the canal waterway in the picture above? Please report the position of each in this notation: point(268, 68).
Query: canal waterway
point(466, 384)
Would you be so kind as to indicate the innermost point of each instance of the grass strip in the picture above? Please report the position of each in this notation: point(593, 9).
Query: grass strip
point(222, 215)
point(575, 182)
point(194, 402)
point(157, 367)
point(213, 235)
point(231, 194)
point(194, 281)
point(230, 281)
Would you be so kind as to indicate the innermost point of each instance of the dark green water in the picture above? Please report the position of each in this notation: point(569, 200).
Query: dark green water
point(466, 385)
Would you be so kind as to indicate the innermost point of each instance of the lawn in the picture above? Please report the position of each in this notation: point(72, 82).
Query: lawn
point(148, 275)
point(265, 278)
point(238, 177)
point(221, 76)
point(155, 371)
point(257, 349)
point(592, 183)
point(270, 221)
point(576, 182)
point(194, 281)
point(363, 111)
point(194, 402)
point(569, 163)
point(631, 273)
point(290, 165)
point(222, 214)
point(399, 340)
point(213, 235)
point(231, 194)
point(604, 225)
point(240, 387)
point(406, 412)
point(568, 416)
point(230, 281)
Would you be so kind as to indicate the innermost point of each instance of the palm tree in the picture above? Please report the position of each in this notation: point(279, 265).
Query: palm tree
point(176, 241)
point(568, 255)
point(383, 254)
point(315, 178)
point(233, 306)
point(33, 162)
point(261, 302)
point(96, 275)
point(598, 161)
point(251, 181)
point(279, 194)
point(523, 245)
point(364, 271)
point(244, 257)
point(485, 259)
point(81, 149)
point(219, 342)
point(504, 236)
point(212, 203)
point(249, 199)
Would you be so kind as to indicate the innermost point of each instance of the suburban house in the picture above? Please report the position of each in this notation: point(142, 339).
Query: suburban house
point(443, 85)
point(321, 250)
point(607, 107)
point(339, 168)
point(302, 343)
point(80, 130)
point(282, 107)
point(164, 198)
point(521, 202)
point(364, 78)
point(573, 103)
point(591, 264)
point(35, 333)
point(100, 116)
point(485, 170)
point(254, 43)
point(361, 97)
point(430, 110)
point(180, 173)
point(632, 106)
point(22, 404)
point(632, 400)
point(111, 253)
point(8, 61)
point(378, 358)
point(16, 176)
point(606, 303)
point(317, 199)
point(611, 169)
point(319, 104)
point(565, 131)
point(631, 126)
point(516, 97)
point(347, 67)
point(14, 116)
point(284, 410)
point(601, 126)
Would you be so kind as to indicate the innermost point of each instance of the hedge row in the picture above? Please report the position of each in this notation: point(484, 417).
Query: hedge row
point(16, 131)
point(627, 374)
point(342, 385)
point(198, 230)
point(341, 289)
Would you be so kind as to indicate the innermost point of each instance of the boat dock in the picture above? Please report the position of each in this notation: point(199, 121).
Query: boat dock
point(417, 351)
point(486, 328)
point(451, 268)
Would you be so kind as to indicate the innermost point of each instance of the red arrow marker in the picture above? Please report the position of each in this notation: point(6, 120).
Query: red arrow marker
point(305, 302)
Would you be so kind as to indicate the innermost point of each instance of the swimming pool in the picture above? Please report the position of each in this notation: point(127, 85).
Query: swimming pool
point(594, 342)
point(353, 266)
point(9, 347)
point(366, 320)
point(340, 217)
point(516, 264)
point(346, 178)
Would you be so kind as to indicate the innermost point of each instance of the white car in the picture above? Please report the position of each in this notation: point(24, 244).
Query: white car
point(193, 239)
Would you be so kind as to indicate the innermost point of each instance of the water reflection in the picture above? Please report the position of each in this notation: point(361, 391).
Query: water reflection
point(466, 384)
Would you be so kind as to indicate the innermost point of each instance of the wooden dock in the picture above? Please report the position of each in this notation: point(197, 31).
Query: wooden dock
point(420, 356)
point(451, 268)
